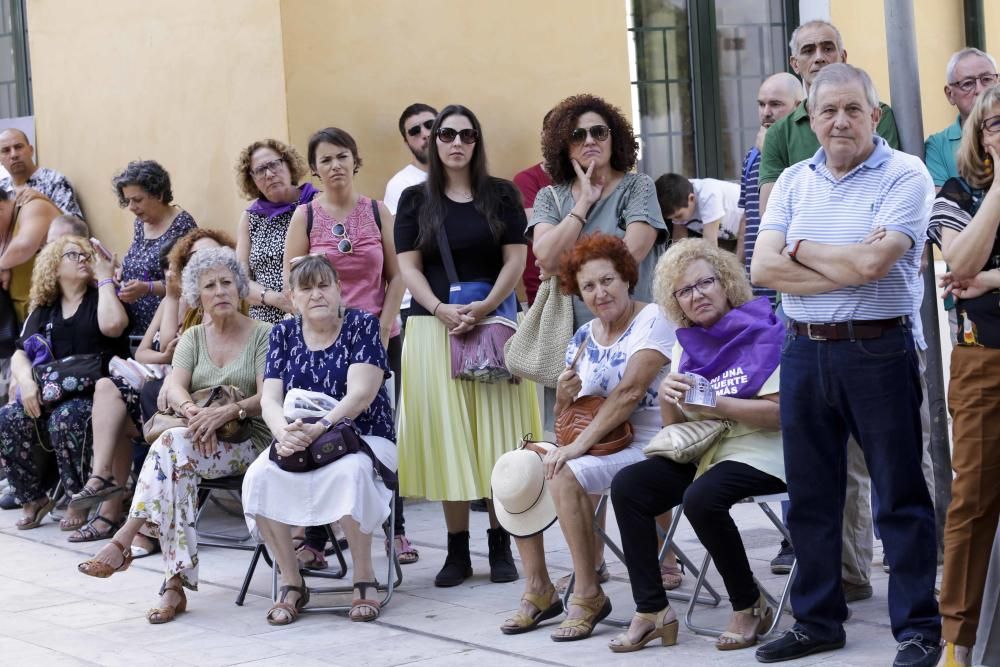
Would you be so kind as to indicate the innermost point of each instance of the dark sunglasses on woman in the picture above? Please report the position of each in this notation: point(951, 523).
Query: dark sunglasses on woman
point(447, 135)
point(598, 132)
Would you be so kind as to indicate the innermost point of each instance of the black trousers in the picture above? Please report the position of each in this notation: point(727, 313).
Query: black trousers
point(644, 490)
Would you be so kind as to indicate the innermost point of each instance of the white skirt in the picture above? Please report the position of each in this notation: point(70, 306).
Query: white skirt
point(346, 487)
point(594, 473)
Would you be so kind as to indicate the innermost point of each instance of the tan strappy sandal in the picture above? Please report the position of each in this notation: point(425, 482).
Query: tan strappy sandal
point(760, 610)
point(160, 615)
point(598, 608)
point(101, 570)
point(548, 605)
point(666, 633)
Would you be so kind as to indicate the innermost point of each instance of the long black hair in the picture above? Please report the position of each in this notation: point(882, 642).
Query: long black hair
point(488, 194)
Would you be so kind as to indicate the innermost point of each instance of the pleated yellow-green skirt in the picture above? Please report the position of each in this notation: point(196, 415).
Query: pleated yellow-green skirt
point(451, 432)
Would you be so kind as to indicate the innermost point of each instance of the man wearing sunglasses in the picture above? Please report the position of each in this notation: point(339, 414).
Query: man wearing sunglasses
point(415, 126)
point(970, 72)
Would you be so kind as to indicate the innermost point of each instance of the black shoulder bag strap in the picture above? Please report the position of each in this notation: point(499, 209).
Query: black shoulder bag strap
point(309, 220)
point(378, 218)
point(446, 258)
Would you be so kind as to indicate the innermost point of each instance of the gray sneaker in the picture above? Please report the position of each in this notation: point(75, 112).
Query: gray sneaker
point(782, 563)
point(856, 592)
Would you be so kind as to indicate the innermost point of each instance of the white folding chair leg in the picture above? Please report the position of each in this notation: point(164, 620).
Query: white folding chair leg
point(777, 604)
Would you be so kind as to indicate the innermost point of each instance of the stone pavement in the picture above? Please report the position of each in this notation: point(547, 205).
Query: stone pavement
point(52, 615)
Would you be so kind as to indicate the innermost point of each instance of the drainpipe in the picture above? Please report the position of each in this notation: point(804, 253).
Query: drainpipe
point(975, 24)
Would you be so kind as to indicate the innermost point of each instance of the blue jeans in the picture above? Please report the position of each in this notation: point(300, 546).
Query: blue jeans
point(871, 389)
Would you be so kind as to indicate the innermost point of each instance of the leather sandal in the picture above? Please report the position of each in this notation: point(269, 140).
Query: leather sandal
point(603, 576)
point(310, 558)
point(598, 608)
point(89, 497)
point(364, 601)
point(160, 615)
point(291, 609)
point(548, 605)
point(406, 553)
point(760, 610)
point(102, 570)
point(667, 633)
point(671, 575)
point(27, 523)
point(90, 533)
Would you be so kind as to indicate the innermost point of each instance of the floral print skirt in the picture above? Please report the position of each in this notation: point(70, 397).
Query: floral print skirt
point(166, 494)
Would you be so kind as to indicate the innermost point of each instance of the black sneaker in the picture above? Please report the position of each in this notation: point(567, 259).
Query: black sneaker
point(795, 644)
point(782, 563)
point(917, 652)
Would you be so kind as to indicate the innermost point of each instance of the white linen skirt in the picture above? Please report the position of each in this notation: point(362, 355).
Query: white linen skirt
point(346, 487)
point(594, 473)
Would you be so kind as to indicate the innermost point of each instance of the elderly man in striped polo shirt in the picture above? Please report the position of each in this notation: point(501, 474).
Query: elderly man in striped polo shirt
point(841, 240)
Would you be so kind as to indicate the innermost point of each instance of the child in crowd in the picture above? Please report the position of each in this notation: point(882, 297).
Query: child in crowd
point(706, 206)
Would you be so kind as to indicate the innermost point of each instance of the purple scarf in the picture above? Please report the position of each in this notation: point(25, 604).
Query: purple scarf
point(738, 353)
point(270, 209)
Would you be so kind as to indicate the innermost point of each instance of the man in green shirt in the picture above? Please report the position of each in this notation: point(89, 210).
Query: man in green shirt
point(814, 45)
point(970, 72)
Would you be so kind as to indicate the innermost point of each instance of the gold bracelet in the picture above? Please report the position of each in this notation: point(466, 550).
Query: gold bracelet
point(574, 215)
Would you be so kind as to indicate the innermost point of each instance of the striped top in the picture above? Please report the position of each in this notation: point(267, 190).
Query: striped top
point(890, 189)
point(750, 203)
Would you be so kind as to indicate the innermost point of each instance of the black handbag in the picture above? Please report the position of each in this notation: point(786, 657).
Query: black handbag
point(342, 439)
point(10, 327)
point(70, 377)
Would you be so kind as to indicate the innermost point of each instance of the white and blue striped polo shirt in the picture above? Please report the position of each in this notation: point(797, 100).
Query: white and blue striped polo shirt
point(890, 189)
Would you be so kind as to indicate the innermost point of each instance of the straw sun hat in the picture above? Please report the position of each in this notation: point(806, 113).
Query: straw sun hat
point(521, 496)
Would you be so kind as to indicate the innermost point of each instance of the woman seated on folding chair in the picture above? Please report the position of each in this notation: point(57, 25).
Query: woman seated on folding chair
point(624, 352)
point(227, 351)
point(333, 358)
point(733, 341)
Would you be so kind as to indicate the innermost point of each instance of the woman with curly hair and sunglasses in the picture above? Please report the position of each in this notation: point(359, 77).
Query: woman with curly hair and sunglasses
point(589, 152)
point(452, 431)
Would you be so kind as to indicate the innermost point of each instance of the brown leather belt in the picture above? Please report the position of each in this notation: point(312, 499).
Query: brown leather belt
point(850, 330)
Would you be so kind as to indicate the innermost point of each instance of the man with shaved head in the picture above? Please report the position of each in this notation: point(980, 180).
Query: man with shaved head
point(777, 97)
point(17, 156)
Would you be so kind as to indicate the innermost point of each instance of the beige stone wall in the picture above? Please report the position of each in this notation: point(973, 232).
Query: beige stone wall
point(186, 82)
point(509, 62)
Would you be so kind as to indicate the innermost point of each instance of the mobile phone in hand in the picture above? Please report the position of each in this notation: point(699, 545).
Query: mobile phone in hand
point(101, 249)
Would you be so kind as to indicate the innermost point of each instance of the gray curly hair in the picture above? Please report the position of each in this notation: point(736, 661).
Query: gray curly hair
point(204, 260)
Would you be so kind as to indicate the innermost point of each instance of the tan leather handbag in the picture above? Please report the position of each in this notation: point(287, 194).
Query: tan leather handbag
point(571, 422)
point(223, 394)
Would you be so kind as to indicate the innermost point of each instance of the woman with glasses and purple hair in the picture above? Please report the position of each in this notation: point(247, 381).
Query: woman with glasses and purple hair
point(452, 431)
point(355, 233)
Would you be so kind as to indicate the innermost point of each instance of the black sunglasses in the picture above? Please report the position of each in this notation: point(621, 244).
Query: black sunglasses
point(415, 130)
point(447, 135)
point(598, 132)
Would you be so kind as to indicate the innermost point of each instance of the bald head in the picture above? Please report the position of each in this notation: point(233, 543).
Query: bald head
point(777, 97)
point(16, 155)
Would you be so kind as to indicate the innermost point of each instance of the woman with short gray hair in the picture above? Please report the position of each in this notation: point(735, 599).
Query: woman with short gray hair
point(144, 188)
point(228, 350)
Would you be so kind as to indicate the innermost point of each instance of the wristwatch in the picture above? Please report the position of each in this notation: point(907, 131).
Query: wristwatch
point(325, 423)
point(242, 414)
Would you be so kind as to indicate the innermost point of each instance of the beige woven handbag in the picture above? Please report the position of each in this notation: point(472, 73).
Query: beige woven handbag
point(686, 442)
point(537, 350)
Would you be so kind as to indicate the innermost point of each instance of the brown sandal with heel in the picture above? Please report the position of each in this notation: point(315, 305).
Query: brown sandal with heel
point(760, 610)
point(102, 570)
point(160, 615)
point(666, 632)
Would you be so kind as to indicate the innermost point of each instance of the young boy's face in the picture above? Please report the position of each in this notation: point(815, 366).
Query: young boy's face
point(685, 213)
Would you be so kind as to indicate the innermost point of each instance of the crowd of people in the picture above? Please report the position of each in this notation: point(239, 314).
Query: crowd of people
point(781, 314)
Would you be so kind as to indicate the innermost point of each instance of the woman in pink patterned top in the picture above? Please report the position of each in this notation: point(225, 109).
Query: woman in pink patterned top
point(356, 234)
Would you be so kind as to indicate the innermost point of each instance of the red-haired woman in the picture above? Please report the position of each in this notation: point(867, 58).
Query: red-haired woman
point(627, 347)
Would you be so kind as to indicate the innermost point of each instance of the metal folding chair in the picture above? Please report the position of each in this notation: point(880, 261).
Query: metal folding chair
point(710, 596)
point(778, 604)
